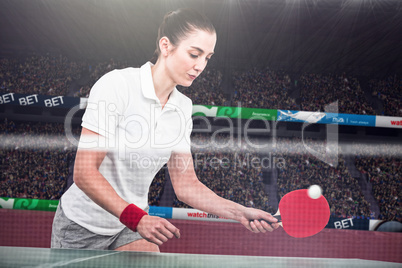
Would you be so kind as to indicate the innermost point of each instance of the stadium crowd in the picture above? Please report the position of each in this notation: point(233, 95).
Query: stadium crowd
point(263, 88)
point(206, 89)
point(384, 174)
point(230, 170)
point(389, 91)
point(96, 72)
point(156, 188)
point(35, 157)
point(39, 74)
point(318, 91)
point(340, 188)
point(35, 161)
point(255, 88)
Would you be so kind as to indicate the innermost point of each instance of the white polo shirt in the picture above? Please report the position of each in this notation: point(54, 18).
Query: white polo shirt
point(139, 137)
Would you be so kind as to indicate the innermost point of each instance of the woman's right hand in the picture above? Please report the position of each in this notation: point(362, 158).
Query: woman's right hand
point(157, 230)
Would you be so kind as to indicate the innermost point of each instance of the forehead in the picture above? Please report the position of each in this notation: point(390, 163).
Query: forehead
point(204, 40)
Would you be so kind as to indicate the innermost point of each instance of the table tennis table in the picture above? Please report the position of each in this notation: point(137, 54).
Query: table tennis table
point(25, 257)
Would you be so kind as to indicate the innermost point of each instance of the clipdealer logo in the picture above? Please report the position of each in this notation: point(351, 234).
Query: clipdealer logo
point(329, 154)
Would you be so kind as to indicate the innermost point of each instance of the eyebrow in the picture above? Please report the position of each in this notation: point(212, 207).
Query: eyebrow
point(201, 51)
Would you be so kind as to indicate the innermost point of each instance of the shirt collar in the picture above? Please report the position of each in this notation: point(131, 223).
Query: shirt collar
point(148, 89)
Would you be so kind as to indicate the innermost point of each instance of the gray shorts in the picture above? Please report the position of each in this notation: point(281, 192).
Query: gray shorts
point(68, 234)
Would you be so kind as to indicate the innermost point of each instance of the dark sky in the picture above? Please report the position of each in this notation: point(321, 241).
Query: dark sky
point(358, 36)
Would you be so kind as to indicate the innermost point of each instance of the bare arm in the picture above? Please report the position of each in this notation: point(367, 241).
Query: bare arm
point(88, 178)
point(192, 192)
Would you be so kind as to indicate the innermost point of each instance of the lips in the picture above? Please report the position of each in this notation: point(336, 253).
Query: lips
point(192, 77)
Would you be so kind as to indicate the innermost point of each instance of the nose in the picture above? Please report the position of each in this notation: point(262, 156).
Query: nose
point(200, 65)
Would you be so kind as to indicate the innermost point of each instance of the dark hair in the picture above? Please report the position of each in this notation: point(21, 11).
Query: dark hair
point(176, 26)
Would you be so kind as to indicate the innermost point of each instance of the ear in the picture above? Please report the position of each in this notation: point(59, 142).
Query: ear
point(164, 46)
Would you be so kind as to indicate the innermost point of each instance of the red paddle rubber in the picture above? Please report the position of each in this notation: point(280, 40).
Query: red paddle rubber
point(303, 216)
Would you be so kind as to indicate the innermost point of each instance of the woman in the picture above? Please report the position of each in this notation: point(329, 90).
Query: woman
point(135, 122)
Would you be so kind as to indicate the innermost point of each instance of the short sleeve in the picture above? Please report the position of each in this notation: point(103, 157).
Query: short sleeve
point(106, 104)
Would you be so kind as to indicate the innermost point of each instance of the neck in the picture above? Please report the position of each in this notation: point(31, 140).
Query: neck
point(162, 83)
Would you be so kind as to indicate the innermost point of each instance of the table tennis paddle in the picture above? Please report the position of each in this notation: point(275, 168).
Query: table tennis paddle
point(302, 216)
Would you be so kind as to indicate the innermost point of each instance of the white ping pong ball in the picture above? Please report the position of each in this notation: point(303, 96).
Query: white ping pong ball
point(314, 191)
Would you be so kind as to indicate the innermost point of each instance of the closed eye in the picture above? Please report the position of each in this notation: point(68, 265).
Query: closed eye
point(201, 52)
point(194, 56)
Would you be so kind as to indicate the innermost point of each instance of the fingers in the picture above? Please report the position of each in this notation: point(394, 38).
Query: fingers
point(172, 229)
point(167, 231)
point(260, 221)
point(157, 230)
point(275, 225)
point(261, 226)
point(269, 218)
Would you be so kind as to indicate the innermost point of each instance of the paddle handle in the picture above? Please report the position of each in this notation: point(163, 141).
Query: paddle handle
point(278, 217)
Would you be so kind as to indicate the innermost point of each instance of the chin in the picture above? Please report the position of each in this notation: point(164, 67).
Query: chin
point(186, 84)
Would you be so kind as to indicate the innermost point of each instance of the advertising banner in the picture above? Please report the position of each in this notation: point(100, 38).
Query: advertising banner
point(222, 111)
point(28, 204)
point(326, 118)
point(349, 223)
point(234, 112)
point(163, 212)
point(279, 115)
point(388, 121)
point(38, 100)
point(196, 215)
